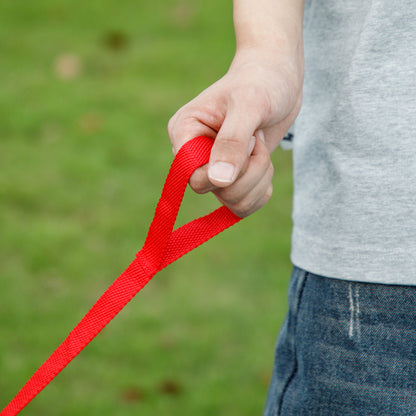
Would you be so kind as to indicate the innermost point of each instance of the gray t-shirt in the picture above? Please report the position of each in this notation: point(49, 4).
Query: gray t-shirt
point(355, 143)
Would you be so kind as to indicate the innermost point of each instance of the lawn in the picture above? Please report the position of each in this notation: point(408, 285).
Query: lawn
point(86, 91)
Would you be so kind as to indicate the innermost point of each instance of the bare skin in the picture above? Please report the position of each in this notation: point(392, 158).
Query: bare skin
point(249, 110)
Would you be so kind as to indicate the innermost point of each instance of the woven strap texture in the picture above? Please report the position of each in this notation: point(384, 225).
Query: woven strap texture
point(162, 247)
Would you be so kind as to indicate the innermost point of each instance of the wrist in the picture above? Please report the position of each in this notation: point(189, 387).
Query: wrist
point(285, 62)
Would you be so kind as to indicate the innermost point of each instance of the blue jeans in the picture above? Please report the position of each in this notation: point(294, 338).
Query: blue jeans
point(345, 348)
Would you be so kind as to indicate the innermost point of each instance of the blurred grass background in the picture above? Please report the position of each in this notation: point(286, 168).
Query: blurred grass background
point(86, 91)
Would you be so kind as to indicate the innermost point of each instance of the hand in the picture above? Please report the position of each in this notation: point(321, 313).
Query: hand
point(247, 112)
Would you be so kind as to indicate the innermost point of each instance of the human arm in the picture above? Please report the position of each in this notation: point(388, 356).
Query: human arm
point(260, 95)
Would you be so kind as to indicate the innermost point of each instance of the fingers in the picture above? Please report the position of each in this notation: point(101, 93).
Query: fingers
point(202, 183)
point(250, 191)
point(203, 116)
point(183, 127)
point(199, 181)
point(233, 146)
point(254, 188)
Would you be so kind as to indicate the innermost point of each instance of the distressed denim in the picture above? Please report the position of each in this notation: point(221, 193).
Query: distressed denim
point(345, 348)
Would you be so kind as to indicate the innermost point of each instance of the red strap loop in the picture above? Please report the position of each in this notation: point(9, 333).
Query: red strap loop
point(162, 247)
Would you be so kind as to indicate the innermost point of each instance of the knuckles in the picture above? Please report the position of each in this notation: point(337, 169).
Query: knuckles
point(244, 209)
point(248, 206)
point(171, 124)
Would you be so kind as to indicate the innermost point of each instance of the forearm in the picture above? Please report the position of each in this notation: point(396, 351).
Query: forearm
point(272, 26)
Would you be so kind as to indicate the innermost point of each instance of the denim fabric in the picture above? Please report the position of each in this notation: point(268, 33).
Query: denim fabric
point(345, 348)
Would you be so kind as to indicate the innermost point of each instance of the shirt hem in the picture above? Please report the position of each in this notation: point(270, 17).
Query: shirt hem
point(396, 266)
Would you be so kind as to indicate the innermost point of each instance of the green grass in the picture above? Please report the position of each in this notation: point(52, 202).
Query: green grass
point(82, 164)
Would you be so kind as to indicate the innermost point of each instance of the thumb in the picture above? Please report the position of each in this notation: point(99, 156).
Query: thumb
point(232, 147)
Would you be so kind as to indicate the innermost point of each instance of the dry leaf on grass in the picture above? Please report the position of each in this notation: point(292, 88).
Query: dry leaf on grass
point(67, 66)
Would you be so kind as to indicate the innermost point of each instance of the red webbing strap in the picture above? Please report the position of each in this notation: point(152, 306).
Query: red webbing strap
point(162, 247)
